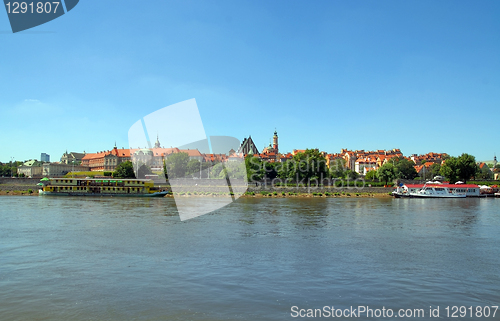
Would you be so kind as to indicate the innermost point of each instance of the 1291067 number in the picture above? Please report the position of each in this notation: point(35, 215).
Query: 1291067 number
point(32, 7)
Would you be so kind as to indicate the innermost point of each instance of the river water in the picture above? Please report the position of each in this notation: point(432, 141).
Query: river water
point(64, 258)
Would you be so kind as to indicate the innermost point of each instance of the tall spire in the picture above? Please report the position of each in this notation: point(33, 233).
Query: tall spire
point(275, 141)
point(157, 144)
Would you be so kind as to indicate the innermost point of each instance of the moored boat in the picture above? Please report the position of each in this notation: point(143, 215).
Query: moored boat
point(100, 187)
point(400, 191)
point(438, 191)
point(488, 190)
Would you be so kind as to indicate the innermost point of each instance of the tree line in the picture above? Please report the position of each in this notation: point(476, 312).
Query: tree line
point(9, 169)
point(309, 165)
point(454, 169)
point(179, 165)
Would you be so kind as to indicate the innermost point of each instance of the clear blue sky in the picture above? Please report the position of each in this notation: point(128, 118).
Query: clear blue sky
point(416, 75)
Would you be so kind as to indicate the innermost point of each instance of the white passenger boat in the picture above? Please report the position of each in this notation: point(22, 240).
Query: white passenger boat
point(437, 191)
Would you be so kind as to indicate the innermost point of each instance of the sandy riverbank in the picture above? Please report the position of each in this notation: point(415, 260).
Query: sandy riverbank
point(290, 195)
point(10, 186)
point(257, 195)
point(20, 193)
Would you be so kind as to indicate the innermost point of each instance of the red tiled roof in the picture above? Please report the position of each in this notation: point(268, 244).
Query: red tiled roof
point(191, 152)
point(95, 155)
point(214, 157)
point(443, 185)
point(125, 152)
point(165, 151)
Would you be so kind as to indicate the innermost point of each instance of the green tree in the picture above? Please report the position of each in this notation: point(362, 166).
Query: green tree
point(434, 169)
point(449, 169)
point(236, 169)
point(371, 175)
point(271, 170)
point(218, 171)
point(463, 167)
point(467, 167)
point(143, 171)
point(338, 168)
point(254, 168)
point(485, 173)
point(386, 172)
point(352, 175)
point(232, 170)
point(193, 168)
point(309, 165)
point(285, 170)
point(176, 165)
point(124, 170)
point(404, 168)
point(3, 171)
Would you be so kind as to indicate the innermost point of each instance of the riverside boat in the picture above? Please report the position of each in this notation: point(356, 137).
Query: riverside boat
point(100, 187)
point(438, 191)
point(488, 190)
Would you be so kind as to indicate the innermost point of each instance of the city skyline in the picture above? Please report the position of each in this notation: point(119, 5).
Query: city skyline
point(261, 150)
point(418, 76)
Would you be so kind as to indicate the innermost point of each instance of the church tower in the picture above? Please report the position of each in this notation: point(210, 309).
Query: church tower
point(157, 144)
point(275, 141)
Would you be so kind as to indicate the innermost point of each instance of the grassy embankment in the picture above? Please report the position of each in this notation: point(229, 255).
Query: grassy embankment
point(282, 194)
point(29, 192)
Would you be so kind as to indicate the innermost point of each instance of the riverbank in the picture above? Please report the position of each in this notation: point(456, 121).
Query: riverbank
point(285, 195)
point(246, 195)
point(212, 188)
point(19, 186)
point(18, 193)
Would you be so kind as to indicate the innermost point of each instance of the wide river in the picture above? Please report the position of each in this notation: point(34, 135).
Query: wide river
point(64, 258)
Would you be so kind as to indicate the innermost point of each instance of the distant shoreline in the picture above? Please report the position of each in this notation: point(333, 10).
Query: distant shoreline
point(269, 194)
point(18, 193)
point(23, 186)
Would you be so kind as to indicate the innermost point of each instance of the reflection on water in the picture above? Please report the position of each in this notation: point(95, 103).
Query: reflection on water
point(123, 259)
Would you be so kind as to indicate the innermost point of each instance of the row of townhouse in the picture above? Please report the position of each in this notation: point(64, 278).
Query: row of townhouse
point(154, 157)
point(432, 158)
point(360, 161)
point(34, 168)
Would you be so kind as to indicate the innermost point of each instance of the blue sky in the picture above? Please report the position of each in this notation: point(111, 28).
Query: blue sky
point(421, 76)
